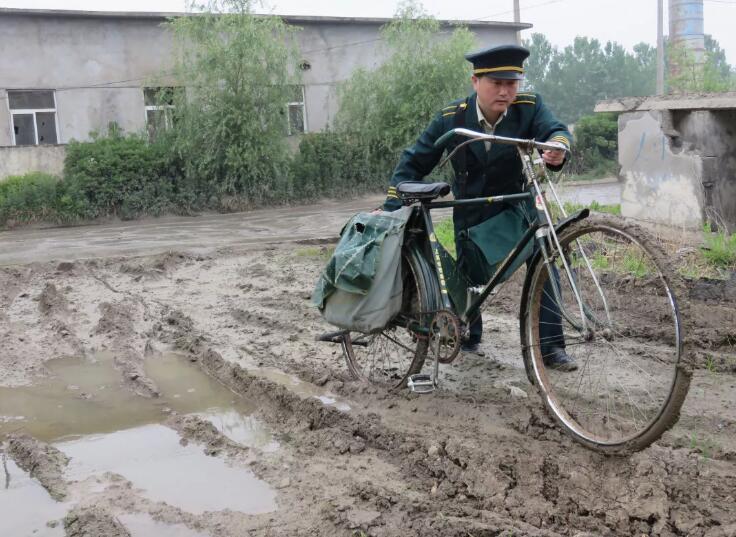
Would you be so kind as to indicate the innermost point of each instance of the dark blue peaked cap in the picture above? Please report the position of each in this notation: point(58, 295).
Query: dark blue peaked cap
point(505, 62)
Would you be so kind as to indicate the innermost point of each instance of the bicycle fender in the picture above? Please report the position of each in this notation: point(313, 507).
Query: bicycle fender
point(582, 213)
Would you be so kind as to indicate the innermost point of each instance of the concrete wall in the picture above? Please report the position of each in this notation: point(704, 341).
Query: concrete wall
point(661, 183)
point(679, 167)
point(24, 159)
point(334, 51)
point(713, 133)
point(98, 64)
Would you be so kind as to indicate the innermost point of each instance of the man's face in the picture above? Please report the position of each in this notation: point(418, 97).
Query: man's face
point(495, 95)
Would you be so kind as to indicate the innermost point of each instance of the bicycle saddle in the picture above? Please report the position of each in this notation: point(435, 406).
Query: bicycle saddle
point(419, 190)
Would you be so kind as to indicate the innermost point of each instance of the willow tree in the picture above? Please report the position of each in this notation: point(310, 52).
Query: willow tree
point(387, 108)
point(229, 125)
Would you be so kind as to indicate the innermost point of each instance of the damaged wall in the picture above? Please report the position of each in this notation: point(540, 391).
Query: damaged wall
point(679, 167)
point(661, 183)
point(713, 133)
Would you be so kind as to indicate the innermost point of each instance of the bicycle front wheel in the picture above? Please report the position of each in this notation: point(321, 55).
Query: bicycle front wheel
point(625, 333)
point(390, 356)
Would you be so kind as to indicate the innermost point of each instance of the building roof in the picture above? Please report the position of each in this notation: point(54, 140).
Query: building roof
point(694, 101)
point(292, 19)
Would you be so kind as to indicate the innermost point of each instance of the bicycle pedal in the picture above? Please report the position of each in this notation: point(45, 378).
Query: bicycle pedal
point(421, 383)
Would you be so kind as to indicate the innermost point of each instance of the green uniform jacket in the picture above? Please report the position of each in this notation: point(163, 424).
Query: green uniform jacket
point(490, 173)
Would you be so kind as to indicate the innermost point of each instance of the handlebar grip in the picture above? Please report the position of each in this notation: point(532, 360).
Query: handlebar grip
point(442, 140)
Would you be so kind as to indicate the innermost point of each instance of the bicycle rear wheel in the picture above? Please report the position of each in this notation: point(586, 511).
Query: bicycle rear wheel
point(627, 339)
point(390, 356)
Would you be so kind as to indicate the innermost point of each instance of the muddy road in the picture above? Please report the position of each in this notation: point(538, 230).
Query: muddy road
point(183, 394)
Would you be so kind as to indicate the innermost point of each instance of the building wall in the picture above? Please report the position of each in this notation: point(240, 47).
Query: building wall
point(679, 167)
point(99, 64)
point(713, 132)
point(661, 183)
point(31, 158)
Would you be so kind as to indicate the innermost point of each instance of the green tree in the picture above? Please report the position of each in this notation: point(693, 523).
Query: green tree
point(574, 79)
point(595, 151)
point(688, 75)
point(230, 124)
point(387, 108)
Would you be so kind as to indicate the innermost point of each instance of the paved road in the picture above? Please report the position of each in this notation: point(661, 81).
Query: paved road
point(209, 232)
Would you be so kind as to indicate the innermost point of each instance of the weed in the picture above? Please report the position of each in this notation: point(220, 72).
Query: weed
point(706, 446)
point(710, 364)
point(720, 248)
point(635, 265)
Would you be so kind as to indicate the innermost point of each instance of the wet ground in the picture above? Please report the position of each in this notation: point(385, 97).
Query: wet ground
point(182, 393)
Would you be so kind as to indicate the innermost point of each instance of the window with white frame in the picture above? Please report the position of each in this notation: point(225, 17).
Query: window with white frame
point(296, 112)
point(33, 114)
point(159, 104)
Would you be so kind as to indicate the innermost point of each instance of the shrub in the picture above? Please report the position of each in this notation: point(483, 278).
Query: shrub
point(595, 151)
point(27, 198)
point(333, 165)
point(118, 175)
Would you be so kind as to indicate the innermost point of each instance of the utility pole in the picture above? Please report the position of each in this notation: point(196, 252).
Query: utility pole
point(517, 18)
point(660, 47)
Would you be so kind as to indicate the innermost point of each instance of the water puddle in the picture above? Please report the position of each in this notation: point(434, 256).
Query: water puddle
point(26, 507)
point(82, 397)
point(152, 458)
point(299, 387)
point(142, 525)
point(244, 430)
point(83, 407)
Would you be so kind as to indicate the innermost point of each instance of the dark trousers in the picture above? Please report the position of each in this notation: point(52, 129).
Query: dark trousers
point(550, 319)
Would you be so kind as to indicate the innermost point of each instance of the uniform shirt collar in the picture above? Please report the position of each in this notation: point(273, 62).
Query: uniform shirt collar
point(484, 123)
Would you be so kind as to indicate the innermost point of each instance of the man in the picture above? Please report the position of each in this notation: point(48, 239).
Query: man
point(483, 169)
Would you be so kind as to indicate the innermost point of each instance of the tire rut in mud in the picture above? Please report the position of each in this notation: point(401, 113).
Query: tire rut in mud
point(542, 484)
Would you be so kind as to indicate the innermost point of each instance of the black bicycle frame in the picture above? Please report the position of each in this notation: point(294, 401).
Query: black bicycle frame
point(473, 307)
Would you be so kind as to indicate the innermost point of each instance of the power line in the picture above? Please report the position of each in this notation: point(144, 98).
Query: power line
point(525, 9)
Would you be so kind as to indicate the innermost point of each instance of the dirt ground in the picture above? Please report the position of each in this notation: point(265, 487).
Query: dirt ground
point(475, 458)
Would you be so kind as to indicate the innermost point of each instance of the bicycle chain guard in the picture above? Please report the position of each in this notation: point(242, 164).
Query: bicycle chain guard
point(445, 336)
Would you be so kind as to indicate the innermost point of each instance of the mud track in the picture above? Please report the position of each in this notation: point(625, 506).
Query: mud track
point(475, 458)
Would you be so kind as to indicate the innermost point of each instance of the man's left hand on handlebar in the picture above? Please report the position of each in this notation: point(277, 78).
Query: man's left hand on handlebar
point(553, 157)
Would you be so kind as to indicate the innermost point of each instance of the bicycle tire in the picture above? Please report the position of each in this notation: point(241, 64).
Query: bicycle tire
point(633, 373)
point(390, 356)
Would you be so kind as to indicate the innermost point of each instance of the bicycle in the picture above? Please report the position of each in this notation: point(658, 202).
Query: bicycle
point(610, 281)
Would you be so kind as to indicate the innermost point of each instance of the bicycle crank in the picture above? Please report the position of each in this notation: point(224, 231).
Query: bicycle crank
point(444, 333)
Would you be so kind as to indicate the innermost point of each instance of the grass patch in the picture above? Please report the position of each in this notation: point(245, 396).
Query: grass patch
point(703, 445)
point(594, 206)
point(720, 248)
point(318, 252)
point(445, 232)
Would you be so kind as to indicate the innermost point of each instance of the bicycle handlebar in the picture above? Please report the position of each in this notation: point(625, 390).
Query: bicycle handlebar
point(442, 140)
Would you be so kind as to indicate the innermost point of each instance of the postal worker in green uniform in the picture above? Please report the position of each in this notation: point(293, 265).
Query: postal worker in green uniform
point(483, 169)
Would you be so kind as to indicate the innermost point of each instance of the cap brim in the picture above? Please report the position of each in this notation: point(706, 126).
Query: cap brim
point(504, 75)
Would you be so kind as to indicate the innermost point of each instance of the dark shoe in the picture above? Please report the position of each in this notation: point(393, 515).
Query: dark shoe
point(472, 348)
point(556, 358)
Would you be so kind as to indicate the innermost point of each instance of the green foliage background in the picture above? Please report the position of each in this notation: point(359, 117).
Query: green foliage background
point(227, 147)
point(573, 79)
point(229, 126)
point(382, 112)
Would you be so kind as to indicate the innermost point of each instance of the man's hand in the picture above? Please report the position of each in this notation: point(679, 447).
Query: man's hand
point(553, 157)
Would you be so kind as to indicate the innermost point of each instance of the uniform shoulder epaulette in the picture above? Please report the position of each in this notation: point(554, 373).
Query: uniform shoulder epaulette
point(525, 98)
point(452, 109)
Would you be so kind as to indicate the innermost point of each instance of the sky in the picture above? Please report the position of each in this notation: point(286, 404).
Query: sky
point(625, 21)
